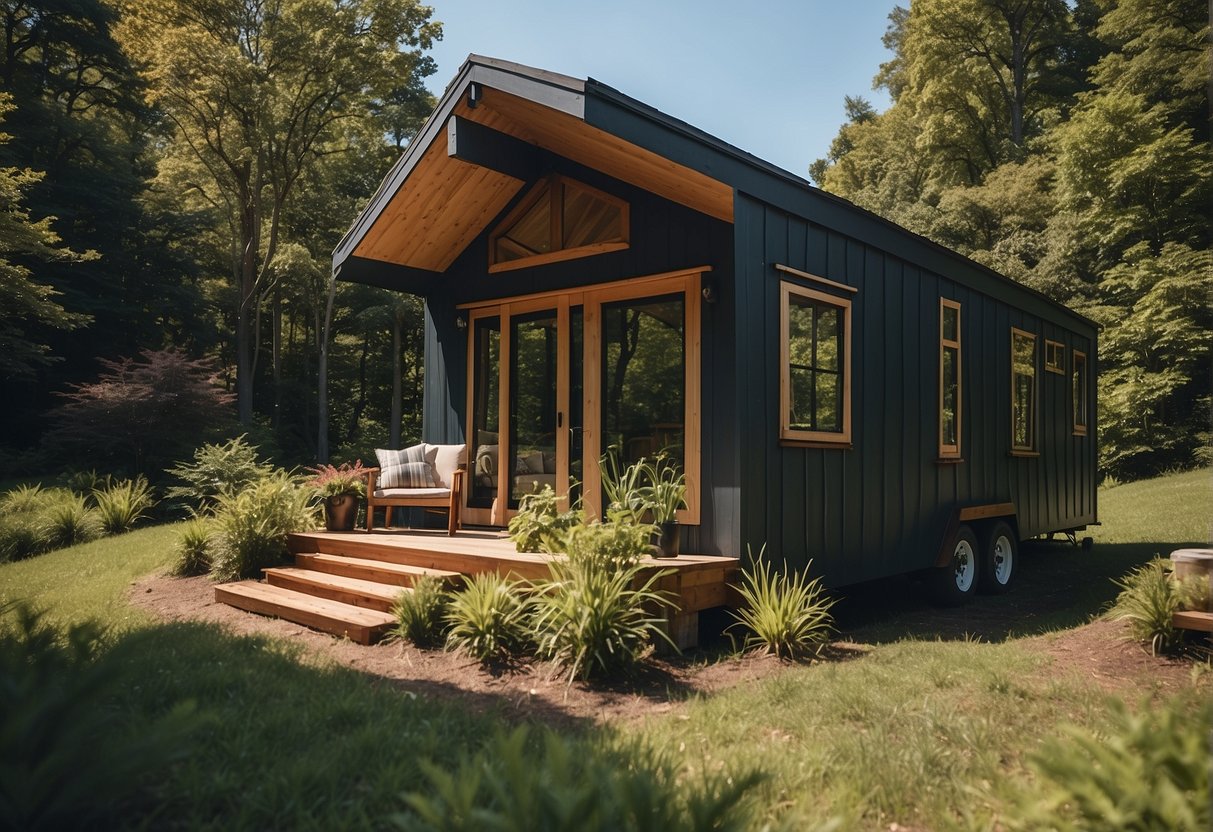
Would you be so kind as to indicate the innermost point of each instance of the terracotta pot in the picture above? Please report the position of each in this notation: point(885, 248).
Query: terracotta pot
point(667, 539)
point(340, 511)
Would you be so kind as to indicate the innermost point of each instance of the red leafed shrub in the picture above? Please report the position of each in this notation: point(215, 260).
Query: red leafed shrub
point(141, 413)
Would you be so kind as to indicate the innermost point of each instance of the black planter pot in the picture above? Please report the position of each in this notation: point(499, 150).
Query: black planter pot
point(340, 511)
point(667, 539)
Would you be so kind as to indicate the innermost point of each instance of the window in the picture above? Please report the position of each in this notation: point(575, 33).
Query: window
point(1023, 391)
point(1055, 357)
point(949, 379)
point(558, 220)
point(815, 388)
point(1079, 385)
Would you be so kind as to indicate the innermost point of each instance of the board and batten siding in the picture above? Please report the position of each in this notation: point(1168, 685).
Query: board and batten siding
point(664, 237)
point(880, 507)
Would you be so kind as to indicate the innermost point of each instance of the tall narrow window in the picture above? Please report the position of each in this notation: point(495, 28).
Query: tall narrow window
point(815, 388)
point(1079, 383)
point(1055, 357)
point(949, 379)
point(1023, 391)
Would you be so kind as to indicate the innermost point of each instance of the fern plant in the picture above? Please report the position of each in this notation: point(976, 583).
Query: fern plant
point(217, 469)
point(122, 504)
point(421, 612)
point(785, 614)
point(251, 525)
point(1147, 603)
point(489, 618)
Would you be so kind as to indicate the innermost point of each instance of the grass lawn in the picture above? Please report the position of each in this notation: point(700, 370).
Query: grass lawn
point(924, 726)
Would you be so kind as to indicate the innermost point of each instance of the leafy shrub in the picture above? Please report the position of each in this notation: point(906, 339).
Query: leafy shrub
point(68, 759)
point(24, 499)
point(1147, 602)
point(524, 781)
point(617, 545)
point(1151, 771)
point(192, 552)
point(217, 469)
point(540, 525)
point(597, 616)
point(421, 612)
point(785, 614)
point(66, 519)
point(488, 618)
point(142, 412)
point(251, 525)
point(122, 504)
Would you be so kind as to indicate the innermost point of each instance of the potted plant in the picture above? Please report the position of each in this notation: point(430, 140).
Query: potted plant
point(664, 496)
point(339, 487)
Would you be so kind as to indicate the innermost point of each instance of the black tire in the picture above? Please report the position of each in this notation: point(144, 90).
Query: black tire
point(1087, 543)
point(999, 558)
point(956, 583)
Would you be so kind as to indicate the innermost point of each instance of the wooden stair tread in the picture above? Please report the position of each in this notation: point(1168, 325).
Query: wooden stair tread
point(1193, 620)
point(402, 569)
point(357, 623)
point(348, 590)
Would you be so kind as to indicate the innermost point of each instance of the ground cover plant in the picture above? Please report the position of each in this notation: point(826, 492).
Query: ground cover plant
point(489, 617)
point(912, 730)
point(34, 519)
point(422, 612)
point(787, 614)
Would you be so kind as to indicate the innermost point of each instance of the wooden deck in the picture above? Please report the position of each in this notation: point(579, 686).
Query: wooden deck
point(1193, 620)
point(345, 582)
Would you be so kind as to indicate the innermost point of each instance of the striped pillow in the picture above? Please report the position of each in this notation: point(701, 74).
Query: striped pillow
point(411, 468)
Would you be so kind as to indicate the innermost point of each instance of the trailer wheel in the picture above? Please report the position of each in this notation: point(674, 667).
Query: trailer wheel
point(1000, 558)
point(955, 583)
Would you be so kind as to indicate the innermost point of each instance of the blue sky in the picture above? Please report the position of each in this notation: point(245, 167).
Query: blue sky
point(765, 75)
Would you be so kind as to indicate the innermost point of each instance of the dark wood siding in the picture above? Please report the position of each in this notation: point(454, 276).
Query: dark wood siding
point(881, 506)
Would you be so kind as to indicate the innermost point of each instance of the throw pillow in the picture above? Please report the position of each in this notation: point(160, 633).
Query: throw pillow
point(411, 468)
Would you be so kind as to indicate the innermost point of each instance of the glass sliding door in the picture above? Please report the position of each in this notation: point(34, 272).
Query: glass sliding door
point(644, 377)
point(533, 408)
point(486, 411)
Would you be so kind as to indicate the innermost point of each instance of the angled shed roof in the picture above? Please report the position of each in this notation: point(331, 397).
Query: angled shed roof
point(434, 201)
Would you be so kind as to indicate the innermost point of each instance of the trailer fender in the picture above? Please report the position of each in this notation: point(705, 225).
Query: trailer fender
point(972, 514)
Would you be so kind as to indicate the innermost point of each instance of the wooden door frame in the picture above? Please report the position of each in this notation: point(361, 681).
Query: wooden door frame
point(687, 282)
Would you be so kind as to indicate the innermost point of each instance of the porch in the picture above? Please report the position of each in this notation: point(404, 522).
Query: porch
point(345, 583)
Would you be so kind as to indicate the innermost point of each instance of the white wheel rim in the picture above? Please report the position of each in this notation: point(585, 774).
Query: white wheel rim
point(1004, 559)
point(964, 565)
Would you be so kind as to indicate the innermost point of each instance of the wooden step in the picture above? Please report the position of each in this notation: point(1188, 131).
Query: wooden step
point(355, 623)
point(1193, 620)
point(442, 554)
point(371, 595)
point(383, 572)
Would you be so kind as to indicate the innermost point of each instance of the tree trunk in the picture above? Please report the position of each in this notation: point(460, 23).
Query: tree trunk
point(322, 378)
point(277, 357)
point(397, 325)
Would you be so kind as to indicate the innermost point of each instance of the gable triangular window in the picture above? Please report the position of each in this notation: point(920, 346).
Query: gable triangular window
point(558, 220)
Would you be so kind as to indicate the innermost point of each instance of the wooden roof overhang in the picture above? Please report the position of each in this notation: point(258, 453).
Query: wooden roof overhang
point(474, 155)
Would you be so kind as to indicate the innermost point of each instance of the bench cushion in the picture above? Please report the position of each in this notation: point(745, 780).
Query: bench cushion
point(382, 493)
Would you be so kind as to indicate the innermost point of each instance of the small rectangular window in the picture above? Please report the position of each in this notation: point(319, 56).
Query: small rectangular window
point(1055, 357)
point(949, 378)
point(1023, 391)
point(1079, 385)
point(815, 346)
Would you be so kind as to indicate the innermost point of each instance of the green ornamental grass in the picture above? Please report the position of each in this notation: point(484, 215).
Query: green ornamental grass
point(66, 519)
point(421, 612)
point(489, 618)
point(122, 504)
point(192, 551)
point(785, 613)
point(251, 525)
point(1147, 602)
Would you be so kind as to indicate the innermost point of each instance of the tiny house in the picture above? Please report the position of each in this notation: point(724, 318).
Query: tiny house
point(597, 274)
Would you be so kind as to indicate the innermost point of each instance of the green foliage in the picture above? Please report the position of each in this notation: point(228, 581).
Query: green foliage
point(666, 489)
point(622, 486)
point(217, 469)
point(1147, 602)
point(785, 613)
point(596, 615)
point(66, 519)
point(421, 612)
point(68, 758)
point(1149, 770)
point(22, 500)
point(192, 550)
point(524, 781)
point(616, 545)
point(337, 480)
point(251, 525)
point(489, 618)
point(122, 504)
point(20, 537)
point(540, 525)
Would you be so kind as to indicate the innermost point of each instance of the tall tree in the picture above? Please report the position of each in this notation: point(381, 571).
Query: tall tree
point(259, 90)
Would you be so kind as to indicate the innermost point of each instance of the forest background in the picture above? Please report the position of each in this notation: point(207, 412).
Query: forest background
point(174, 175)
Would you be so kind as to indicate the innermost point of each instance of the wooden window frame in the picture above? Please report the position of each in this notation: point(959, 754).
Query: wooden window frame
point(555, 184)
point(1025, 450)
point(1080, 429)
point(1060, 368)
point(946, 451)
point(590, 299)
point(812, 438)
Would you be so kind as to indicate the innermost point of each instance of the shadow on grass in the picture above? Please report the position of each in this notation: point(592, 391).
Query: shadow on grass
point(1057, 587)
